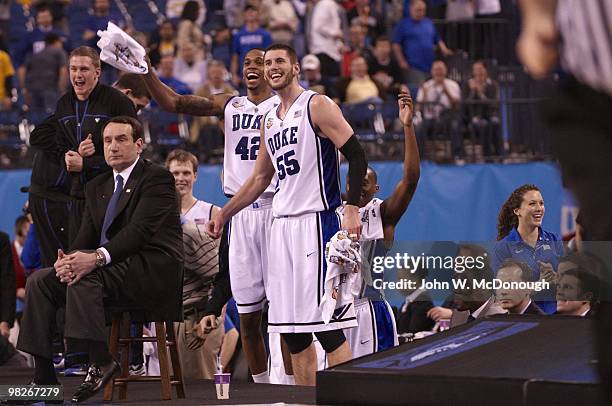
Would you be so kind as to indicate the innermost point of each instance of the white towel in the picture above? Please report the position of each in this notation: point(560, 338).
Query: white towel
point(121, 51)
point(343, 270)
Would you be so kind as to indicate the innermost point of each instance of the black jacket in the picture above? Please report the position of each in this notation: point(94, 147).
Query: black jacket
point(49, 178)
point(78, 119)
point(413, 318)
point(146, 232)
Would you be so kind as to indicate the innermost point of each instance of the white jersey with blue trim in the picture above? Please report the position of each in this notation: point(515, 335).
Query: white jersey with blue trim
point(372, 244)
point(242, 136)
point(306, 164)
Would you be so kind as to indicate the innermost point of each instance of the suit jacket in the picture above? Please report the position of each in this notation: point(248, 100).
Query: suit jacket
point(414, 318)
point(491, 307)
point(533, 309)
point(145, 234)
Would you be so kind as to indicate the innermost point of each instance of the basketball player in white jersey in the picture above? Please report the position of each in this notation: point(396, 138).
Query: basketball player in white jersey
point(183, 166)
point(376, 330)
point(248, 230)
point(302, 137)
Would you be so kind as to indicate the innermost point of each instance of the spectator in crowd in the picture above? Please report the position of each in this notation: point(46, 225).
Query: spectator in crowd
point(166, 75)
point(189, 69)
point(212, 126)
point(577, 293)
point(102, 15)
point(412, 315)
point(283, 22)
point(520, 236)
point(359, 88)
point(44, 76)
point(175, 8)
point(383, 67)
point(414, 41)
point(22, 225)
point(325, 36)
point(8, 355)
point(125, 249)
point(356, 47)
point(7, 287)
point(363, 15)
point(460, 10)
point(80, 115)
point(34, 41)
point(469, 303)
point(165, 45)
point(482, 96)
point(198, 356)
point(234, 13)
point(516, 301)
point(250, 36)
point(313, 80)
point(7, 74)
point(437, 104)
point(189, 31)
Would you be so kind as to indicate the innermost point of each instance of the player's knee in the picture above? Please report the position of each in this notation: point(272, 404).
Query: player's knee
point(297, 342)
point(331, 340)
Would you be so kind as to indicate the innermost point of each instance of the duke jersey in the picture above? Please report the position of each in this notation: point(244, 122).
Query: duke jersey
point(242, 135)
point(306, 164)
point(372, 245)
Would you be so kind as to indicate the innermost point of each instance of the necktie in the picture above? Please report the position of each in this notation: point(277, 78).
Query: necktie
point(110, 210)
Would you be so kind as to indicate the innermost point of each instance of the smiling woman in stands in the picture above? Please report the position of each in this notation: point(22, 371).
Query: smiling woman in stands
point(520, 236)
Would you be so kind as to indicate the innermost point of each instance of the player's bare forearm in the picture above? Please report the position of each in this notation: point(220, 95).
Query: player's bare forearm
point(198, 106)
point(394, 207)
point(162, 94)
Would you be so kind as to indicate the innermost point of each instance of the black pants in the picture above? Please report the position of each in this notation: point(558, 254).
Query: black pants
point(329, 66)
point(582, 142)
point(84, 303)
point(51, 219)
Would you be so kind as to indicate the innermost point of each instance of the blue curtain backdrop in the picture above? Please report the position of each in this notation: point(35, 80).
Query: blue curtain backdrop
point(451, 202)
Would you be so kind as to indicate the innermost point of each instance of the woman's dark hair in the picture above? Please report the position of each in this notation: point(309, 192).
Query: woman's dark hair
point(190, 11)
point(506, 220)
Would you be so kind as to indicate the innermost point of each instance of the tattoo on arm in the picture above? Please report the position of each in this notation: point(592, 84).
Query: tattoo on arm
point(197, 106)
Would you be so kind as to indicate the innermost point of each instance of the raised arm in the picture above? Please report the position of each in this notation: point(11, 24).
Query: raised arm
point(393, 207)
point(170, 101)
point(254, 186)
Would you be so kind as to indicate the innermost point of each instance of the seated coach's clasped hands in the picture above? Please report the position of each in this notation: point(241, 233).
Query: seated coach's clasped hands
point(70, 268)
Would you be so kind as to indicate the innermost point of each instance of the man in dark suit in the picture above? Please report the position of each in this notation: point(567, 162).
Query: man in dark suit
point(129, 247)
point(516, 301)
point(412, 316)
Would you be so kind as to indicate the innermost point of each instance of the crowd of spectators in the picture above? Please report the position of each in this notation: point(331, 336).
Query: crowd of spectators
point(356, 52)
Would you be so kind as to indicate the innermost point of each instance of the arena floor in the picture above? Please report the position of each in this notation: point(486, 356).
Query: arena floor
point(198, 392)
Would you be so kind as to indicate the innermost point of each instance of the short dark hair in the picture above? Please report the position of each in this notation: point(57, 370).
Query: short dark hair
point(526, 272)
point(293, 58)
point(381, 38)
point(19, 222)
point(52, 38)
point(44, 7)
point(133, 82)
point(182, 156)
point(250, 6)
point(588, 282)
point(137, 131)
point(191, 10)
point(84, 50)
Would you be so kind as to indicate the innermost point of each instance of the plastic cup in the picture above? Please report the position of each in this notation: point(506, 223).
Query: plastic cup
point(222, 384)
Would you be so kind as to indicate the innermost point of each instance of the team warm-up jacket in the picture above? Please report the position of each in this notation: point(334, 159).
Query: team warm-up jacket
point(77, 119)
